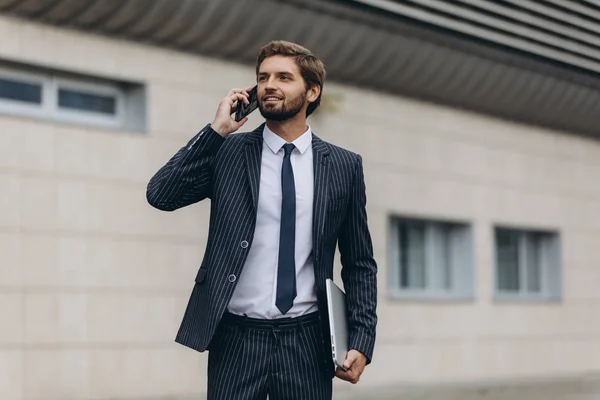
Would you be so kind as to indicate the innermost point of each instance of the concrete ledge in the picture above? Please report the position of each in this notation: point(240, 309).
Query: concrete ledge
point(581, 387)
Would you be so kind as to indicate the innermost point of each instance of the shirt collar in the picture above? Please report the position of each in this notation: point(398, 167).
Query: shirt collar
point(275, 142)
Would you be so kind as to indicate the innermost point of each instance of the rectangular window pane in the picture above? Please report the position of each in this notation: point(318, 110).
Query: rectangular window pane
point(16, 90)
point(90, 102)
point(446, 269)
point(440, 256)
point(532, 262)
point(507, 242)
point(412, 255)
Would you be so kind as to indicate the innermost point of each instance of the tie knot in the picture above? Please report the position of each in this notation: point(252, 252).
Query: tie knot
point(288, 148)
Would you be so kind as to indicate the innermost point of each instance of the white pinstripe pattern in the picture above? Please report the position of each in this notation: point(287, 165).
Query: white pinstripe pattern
point(227, 170)
point(251, 363)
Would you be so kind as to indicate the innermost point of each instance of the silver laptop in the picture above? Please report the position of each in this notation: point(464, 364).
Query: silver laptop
point(338, 322)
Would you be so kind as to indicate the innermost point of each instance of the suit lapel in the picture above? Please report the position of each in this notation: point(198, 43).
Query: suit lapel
point(252, 154)
point(321, 183)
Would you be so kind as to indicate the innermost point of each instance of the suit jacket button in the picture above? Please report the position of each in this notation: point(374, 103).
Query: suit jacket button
point(244, 244)
point(232, 278)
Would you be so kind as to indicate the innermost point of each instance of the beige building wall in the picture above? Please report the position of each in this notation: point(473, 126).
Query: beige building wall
point(94, 282)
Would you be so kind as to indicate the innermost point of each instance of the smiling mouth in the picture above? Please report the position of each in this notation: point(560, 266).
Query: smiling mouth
point(272, 99)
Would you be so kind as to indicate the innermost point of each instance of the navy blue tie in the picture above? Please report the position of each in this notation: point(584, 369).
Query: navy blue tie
point(286, 268)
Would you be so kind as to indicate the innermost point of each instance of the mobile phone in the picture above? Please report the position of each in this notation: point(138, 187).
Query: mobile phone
point(244, 109)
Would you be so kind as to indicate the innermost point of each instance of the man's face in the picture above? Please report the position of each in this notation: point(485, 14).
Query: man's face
point(281, 89)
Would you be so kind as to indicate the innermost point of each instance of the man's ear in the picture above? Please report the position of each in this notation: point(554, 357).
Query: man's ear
point(313, 93)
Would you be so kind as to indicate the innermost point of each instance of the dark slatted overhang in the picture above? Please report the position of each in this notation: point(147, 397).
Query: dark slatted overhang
point(531, 61)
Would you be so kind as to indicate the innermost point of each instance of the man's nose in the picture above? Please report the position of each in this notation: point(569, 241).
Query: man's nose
point(270, 85)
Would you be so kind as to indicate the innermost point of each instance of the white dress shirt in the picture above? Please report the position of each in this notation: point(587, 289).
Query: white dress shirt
point(256, 289)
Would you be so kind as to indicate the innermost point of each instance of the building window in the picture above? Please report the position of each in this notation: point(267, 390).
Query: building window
point(430, 259)
point(25, 90)
point(89, 102)
point(527, 264)
point(14, 89)
point(81, 101)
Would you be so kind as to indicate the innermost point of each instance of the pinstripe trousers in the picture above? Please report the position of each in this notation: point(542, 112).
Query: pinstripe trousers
point(249, 359)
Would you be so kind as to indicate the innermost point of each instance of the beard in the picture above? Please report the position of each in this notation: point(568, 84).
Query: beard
point(282, 111)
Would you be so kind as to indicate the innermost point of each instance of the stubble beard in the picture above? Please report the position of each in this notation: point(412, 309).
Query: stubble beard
point(283, 111)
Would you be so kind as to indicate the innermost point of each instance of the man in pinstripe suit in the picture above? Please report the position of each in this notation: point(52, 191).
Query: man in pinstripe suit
point(281, 199)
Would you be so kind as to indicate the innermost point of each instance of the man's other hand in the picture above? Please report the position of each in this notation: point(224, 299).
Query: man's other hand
point(354, 364)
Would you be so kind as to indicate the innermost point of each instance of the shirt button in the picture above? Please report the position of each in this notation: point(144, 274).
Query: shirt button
point(244, 244)
point(232, 278)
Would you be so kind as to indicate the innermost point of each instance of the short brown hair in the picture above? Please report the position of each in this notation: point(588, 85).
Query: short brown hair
point(311, 68)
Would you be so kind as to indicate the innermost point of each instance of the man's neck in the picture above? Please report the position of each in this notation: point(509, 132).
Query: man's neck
point(289, 130)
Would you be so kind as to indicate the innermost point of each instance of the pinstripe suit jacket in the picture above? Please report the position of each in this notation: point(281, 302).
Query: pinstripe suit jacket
point(227, 170)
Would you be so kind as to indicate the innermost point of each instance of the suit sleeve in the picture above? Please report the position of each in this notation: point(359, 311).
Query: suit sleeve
point(359, 269)
point(187, 176)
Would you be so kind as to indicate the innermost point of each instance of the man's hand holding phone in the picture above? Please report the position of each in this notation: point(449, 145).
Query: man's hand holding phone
point(224, 123)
